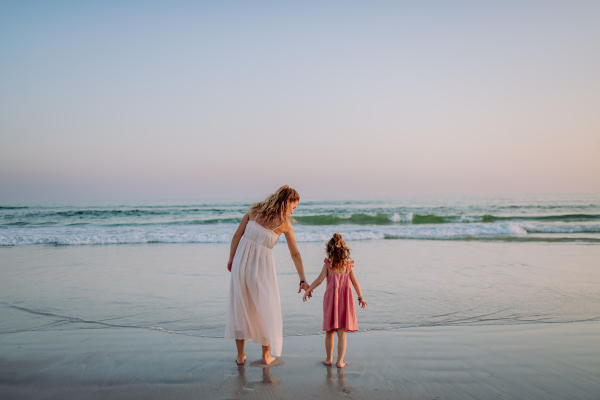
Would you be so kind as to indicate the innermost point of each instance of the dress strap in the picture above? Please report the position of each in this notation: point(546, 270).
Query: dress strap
point(349, 266)
point(328, 263)
point(278, 226)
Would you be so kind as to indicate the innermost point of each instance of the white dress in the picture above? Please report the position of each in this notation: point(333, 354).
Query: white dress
point(254, 307)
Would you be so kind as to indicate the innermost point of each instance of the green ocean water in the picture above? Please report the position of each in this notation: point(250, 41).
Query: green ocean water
point(508, 218)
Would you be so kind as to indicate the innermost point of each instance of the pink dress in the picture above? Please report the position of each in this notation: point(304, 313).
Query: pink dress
point(338, 301)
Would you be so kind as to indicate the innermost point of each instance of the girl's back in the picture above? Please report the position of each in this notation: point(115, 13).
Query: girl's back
point(339, 314)
point(338, 300)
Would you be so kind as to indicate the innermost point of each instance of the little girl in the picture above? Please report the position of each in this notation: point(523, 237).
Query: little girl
point(338, 302)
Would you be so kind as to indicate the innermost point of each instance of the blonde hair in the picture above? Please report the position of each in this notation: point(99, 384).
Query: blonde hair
point(273, 208)
point(337, 252)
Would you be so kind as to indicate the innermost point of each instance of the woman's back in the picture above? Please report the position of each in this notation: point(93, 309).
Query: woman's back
point(260, 235)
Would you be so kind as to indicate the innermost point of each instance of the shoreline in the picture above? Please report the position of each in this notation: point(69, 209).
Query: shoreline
point(545, 361)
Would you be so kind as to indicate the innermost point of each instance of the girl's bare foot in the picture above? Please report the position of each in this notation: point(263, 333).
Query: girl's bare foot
point(327, 362)
point(268, 359)
point(340, 364)
point(241, 360)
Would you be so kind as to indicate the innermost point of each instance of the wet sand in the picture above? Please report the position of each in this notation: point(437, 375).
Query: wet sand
point(530, 361)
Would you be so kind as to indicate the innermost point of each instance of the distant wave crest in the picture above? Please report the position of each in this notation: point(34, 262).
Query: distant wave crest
point(428, 218)
point(410, 218)
point(222, 233)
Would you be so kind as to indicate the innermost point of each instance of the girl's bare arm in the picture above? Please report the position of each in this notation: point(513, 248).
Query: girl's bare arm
point(237, 236)
point(316, 283)
point(356, 285)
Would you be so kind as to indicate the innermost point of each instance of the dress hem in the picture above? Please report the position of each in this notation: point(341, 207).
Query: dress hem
point(335, 329)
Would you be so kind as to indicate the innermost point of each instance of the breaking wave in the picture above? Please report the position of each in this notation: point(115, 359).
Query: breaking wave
point(222, 233)
point(434, 218)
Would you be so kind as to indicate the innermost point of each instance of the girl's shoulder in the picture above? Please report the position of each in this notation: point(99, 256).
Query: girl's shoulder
point(327, 261)
point(349, 266)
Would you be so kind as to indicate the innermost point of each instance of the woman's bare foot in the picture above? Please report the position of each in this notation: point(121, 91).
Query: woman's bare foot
point(268, 359)
point(241, 360)
point(340, 364)
point(327, 362)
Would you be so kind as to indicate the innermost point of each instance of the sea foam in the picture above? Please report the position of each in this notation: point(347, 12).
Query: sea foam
point(222, 233)
point(556, 217)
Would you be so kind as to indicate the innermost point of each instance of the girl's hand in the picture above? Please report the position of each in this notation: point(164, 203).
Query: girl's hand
point(362, 303)
point(229, 264)
point(307, 295)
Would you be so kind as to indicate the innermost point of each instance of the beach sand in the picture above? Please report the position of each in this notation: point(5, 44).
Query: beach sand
point(528, 361)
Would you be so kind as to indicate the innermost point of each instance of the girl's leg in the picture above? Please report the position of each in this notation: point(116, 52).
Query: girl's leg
point(341, 347)
point(329, 347)
point(241, 357)
point(267, 359)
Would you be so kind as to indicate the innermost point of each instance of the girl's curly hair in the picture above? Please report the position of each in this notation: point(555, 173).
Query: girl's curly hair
point(272, 210)
point(337, 252)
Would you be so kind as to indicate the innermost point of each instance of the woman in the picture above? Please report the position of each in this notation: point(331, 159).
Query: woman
point(254, 308)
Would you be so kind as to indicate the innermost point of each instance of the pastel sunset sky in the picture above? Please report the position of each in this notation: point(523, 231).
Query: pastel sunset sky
point(171, 100)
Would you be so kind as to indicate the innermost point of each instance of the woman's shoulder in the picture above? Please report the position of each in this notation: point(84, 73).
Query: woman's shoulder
point(286, 225)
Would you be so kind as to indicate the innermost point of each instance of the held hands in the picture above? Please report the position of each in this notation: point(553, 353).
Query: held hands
point(304, 286)
point(362, 303)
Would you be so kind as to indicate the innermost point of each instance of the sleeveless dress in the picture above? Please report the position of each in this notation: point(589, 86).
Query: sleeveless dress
point(338, 301)
point(254, 307)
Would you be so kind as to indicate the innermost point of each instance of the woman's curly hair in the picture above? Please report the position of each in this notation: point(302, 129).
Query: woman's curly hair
point(272, 210)
point(337, 252)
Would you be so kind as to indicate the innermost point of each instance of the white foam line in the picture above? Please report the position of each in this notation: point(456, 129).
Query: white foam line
point(223, 234)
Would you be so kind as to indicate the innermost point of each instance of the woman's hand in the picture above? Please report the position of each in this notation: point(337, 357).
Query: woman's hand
point(305, 286)
point(362, 303)
point(229, 264)
point(307, 295)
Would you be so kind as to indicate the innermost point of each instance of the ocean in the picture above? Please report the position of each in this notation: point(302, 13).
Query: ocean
point(421, 261)
point(496, 218)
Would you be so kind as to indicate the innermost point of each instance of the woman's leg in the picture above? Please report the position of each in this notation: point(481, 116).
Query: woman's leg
point(329, 347)
point(241, 357)
point(341, 347)
point(267, 359)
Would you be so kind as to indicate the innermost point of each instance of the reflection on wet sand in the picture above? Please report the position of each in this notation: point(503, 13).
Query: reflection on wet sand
point(245, 383)
point(339, 377)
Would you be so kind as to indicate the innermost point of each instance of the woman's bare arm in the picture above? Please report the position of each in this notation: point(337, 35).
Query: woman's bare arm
point(296, 257)
point(237, 236)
